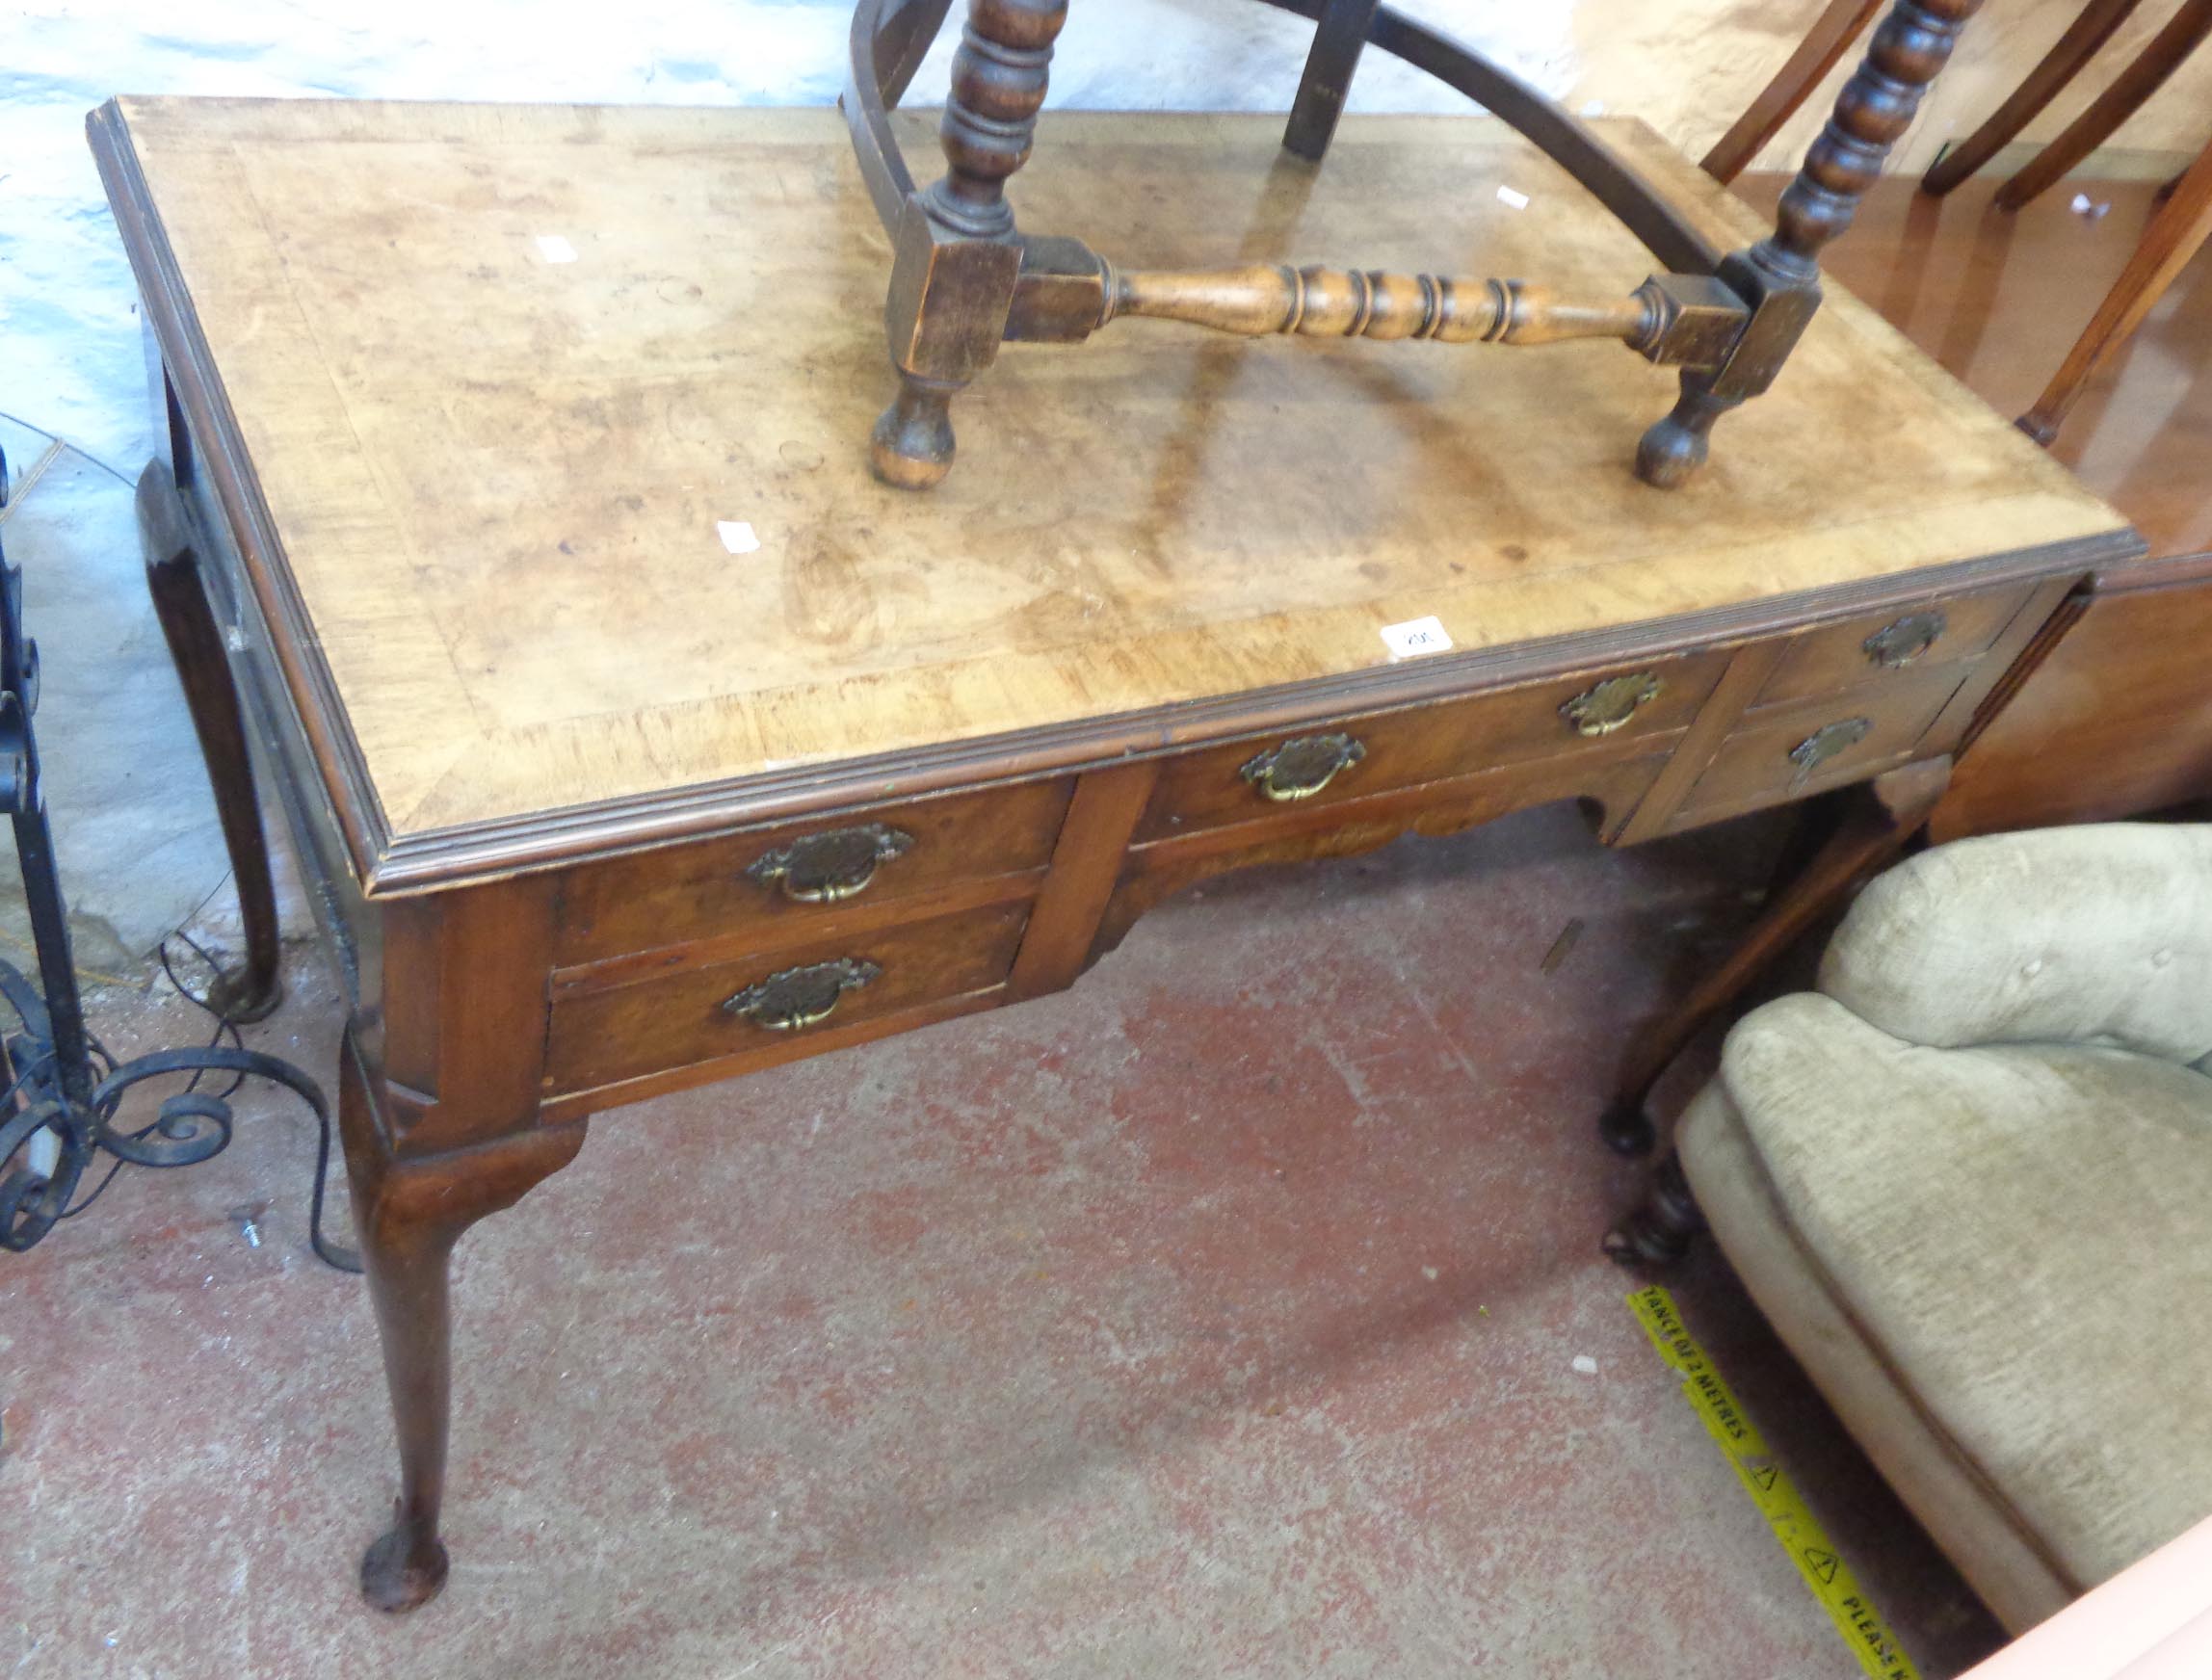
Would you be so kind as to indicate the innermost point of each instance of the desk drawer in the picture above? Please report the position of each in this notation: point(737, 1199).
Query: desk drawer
point(760, 1003)
point(1869, 648)
point(1789, 751)
point(1264, 776)
point(764, 887)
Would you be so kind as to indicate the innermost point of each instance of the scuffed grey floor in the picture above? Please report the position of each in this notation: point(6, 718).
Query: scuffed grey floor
point(1236, 1313)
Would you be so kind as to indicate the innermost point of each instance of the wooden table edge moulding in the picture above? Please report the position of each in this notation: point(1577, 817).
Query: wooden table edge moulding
point(541, 928)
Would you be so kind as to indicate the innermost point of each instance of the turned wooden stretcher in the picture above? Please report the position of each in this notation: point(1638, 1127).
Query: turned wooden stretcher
point(963, 280)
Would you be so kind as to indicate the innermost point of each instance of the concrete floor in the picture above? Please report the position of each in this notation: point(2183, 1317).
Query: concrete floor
point(133, 821)
point(1216, 1318)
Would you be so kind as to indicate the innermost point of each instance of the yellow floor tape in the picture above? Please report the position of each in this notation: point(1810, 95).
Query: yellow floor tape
point(1860, 1624)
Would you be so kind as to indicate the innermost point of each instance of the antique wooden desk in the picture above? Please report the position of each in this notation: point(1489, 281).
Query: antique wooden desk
point(637, 738)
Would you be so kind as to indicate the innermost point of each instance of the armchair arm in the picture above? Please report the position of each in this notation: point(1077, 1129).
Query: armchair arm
point(2095, 935)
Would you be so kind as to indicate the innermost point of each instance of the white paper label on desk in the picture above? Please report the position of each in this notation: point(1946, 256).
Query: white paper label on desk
point(1415, 637)
point(737, 537)
point(555, 249)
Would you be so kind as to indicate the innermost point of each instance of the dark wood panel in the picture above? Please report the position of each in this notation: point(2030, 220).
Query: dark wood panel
point(1756, 768)
point(627, 1032)
point(576, 1105)
point(1611, 782)
point(1093, 842)
point(837, 923)
point(2116, 722)
point(651, 899)
point(1746, 673)
point(1416, 744)
point(1845, 655)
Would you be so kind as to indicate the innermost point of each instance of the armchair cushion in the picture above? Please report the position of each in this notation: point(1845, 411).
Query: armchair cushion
point(2023, 1234)
point(2095, 935)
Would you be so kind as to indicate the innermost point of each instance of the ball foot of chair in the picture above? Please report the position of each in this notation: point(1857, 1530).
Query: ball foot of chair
point(1626, 1129)
point(405, 1569)
point(1659, 1232)
point(912, 447)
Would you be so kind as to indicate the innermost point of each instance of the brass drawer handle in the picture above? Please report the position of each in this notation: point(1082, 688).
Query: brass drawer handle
point(1300, 768)
point(1826, 742)
point(800, 997)
point(1905, 640)
point(1605, 708)
point(822, 869)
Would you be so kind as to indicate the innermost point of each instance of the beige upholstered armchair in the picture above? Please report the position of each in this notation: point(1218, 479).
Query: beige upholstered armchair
point(1969, 1182)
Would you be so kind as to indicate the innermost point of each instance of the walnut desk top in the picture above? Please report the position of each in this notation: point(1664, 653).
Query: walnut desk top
point(640, 738)
point(479, 490)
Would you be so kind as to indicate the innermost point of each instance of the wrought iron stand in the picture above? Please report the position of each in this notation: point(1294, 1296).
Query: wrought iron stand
point(60, 1090)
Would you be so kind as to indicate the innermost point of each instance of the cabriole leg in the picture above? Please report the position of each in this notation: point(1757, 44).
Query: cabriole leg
point(408, 1214)
point(179, 591)
point(1877, 821)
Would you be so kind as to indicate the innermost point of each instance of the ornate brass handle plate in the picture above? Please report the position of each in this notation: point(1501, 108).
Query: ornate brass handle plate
point(1605, 708)
point(822, 869)
point(1826, 742)
point(1905, 640)
point(1301, 767)
point(800, 997)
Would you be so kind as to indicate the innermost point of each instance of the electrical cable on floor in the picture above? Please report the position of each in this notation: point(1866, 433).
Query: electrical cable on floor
point(56, 437)
point(189, 1104)
point(64, 1087)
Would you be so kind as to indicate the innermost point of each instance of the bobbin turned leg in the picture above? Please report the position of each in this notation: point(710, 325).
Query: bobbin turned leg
point(953, 276)
point(1780, 277)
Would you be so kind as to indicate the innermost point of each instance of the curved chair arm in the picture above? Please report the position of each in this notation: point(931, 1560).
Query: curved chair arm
point(2094, 934)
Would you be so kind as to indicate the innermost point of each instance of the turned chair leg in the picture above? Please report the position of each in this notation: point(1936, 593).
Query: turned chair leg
point(957, 258)
point(408, 1214)
point(1877, 821)
point(1780, 277)
point(2144, 77)
point(2176, 232)
point(1830, 37)
point(1659, 1231)
point(195, 646)
point(2083, 39)
point(1337, 41)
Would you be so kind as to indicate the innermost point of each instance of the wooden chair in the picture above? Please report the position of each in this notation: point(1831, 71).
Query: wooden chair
point(2184, 216)
point(963, 280)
